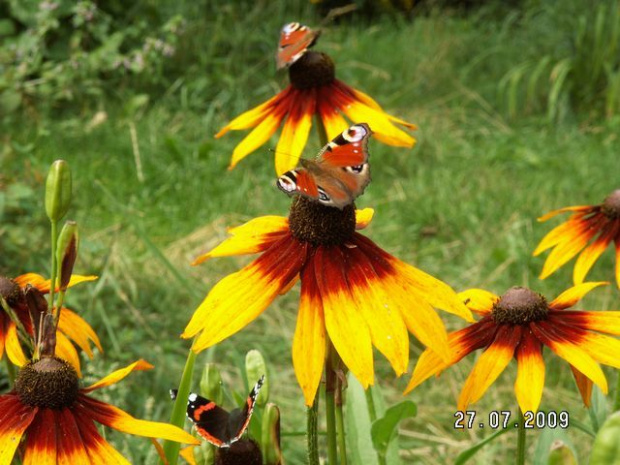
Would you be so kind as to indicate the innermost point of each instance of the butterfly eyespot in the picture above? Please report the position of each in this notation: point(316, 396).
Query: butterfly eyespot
point(357, 169)
point(354, 134)
point(290, 27)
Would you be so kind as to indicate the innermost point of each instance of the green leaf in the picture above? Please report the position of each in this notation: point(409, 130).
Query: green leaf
point(598, 408)
point(469, 453)
point(384, 430)
point(357, 419)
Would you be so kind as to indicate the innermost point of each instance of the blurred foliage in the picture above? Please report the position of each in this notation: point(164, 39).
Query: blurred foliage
point(574, 64)
point(56, 51)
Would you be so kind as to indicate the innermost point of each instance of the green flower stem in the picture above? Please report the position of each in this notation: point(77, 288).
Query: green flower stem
point(342, 445)
point(330, 407)
point(54, 236)
point(312, 433)
point(372, 413)
point(521, 439)
point(172, 448)
point(617, 396)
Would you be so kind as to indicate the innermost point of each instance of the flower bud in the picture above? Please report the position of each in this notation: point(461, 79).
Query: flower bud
point(66, 253)
point(270, 440)
point(211, 383)
point(561, 454)
point(37, 307)
point(255, 367)
point(58, 191)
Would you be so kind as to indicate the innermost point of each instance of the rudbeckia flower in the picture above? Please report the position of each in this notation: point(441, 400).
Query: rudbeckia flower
point(313, 90)
point(597, 223)
point(518, 325)
point(72, 328)
point(51, 420)
point(352, 291)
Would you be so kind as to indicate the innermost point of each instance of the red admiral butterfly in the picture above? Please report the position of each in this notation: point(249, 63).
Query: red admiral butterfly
point(295, 39)
point(339, 174)
point(216, 425)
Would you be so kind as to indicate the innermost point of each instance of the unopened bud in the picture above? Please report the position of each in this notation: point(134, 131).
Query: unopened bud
point(58, 191)
point(270, 440)
point(255, 368)
point(211, 383)
point(561, 454)
point(66, 253)
point(37, 307)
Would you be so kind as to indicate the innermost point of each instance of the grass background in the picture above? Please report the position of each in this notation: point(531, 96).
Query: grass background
point(462, 205)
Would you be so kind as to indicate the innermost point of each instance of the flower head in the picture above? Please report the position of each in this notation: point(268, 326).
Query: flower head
point(72, 328)
point(598, 225)
point(518, 324)
point(313, 90)
point(52, 420)
point(352, 291)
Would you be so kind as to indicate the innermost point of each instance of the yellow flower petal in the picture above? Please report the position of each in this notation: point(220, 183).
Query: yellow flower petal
point(577, 208)
point(573, 354)
point(383, 129)
point(423, 322)
point(15, 418)
point(252, 117)
point(591, 254)
point(309, 339)
point(530, 375)
point(188, 454)
point(99, 451)
point(42, 444)
point(566, 250)
point(116, 418)
point(78, 330)
point(490, 365)
point(603, 349)
point(333, 122)
point(256, 138)
point(345, 325)
point(118, 375)
point(378, 303)
point(66, 351)
point(13, 348)
point(363, 218)
point(239, 298)
point(605, 321)
point(561, 233)
point(478, 300)
point(461, 343)
point(43, 285)
point(295, 134)
point(571, 296)
point(252, 237)
point(368, 101)
point(436, 292)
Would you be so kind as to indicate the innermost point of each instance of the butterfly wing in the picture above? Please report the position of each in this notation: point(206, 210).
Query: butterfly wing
point(340, 173)
point(240, 418)
point(295, 39)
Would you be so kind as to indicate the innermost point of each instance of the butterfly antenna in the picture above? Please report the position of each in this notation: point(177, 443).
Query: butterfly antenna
point(335, 12)
point(173, 393)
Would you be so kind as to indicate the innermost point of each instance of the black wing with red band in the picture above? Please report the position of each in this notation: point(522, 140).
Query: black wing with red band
point(216, 425)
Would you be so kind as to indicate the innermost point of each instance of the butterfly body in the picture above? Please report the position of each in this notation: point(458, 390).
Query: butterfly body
point(216, 425)
point(295, 39)
point(338, 175)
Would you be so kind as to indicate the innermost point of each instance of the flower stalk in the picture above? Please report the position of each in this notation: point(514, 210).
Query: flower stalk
point(521, 439)
point(312, 423)
point(372, 413)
